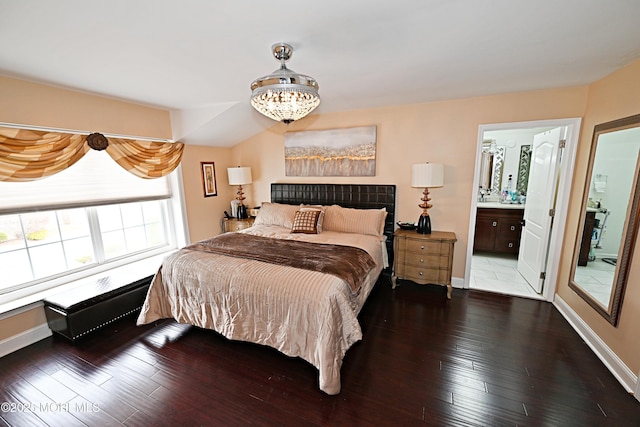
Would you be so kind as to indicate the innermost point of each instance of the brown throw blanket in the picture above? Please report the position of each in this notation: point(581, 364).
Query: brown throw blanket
point(345, 262)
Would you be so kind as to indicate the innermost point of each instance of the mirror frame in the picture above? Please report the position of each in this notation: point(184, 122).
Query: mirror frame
point(629, 233)
point(493, 167)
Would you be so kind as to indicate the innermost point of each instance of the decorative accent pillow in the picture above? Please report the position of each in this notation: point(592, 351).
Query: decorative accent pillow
point(348, 220)
point(320, 208)
point(306, 221)
point(276, 214)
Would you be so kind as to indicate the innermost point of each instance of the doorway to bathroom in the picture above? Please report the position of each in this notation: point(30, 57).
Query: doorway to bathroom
point(518, 211)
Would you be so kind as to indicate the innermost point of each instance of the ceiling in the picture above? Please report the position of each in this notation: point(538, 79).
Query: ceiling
point(197, 58)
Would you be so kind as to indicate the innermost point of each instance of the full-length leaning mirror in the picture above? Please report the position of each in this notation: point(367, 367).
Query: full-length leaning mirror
point(609, 217)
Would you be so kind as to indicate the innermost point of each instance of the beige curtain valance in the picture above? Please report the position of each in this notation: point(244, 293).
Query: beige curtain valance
point(27, 155)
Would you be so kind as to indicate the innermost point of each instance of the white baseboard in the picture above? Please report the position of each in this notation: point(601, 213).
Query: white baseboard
point(457, 282)
point(23, 339)
point(617, 367)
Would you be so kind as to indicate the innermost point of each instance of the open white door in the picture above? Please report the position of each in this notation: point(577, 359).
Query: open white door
point(541, 193)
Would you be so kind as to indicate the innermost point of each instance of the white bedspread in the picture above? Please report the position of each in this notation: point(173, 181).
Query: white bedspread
point(301, 313)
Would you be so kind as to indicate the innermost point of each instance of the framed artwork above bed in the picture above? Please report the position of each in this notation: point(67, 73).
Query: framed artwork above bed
point(331, 152)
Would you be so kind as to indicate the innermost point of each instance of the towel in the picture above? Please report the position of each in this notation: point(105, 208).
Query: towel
point(600, 183)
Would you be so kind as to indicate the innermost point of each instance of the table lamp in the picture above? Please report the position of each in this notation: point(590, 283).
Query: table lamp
point(240, 176)
point(426, 175)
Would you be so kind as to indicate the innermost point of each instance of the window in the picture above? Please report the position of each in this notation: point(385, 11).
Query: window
point(40, 245)
point(80, 221)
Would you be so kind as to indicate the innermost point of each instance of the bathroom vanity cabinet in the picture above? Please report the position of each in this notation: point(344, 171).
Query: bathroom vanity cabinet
point(498, 230)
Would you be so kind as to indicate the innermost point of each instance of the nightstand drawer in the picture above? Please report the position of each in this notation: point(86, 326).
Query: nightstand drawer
point(424, 275)
point(423, 260)
point(233, 224)
point(427, 248)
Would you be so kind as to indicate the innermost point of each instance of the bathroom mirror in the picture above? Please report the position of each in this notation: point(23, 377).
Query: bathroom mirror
point(524, 165)
point(609, 217)
point(491, 167)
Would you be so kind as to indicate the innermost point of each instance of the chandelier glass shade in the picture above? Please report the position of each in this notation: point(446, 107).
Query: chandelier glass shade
point(284, 95)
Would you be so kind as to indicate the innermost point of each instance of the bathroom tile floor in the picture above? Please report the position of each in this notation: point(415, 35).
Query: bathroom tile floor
point(499, 273)
point(597, 278)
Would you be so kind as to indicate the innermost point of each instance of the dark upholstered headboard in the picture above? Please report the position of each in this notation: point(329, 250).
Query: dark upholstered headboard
point(359, 196)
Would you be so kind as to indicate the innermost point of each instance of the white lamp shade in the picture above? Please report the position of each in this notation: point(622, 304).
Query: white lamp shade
point(427, 175)
point(239, 175)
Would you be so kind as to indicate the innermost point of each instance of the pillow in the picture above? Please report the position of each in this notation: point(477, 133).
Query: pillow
point(348, 220)
point(306, 221)
point(276, 214)
point(320, 208)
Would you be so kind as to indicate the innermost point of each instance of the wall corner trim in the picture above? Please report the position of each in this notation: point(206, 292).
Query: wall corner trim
point(611, 360)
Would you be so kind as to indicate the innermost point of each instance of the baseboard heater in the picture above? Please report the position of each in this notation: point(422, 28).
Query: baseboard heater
point(79, 311)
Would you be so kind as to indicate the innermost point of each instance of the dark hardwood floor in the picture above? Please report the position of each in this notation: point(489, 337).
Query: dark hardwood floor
point(479, 359)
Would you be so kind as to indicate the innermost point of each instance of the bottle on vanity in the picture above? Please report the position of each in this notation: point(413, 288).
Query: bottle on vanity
point(507, 192)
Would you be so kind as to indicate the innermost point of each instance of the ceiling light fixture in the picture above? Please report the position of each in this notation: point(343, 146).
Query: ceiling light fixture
point(284, 95)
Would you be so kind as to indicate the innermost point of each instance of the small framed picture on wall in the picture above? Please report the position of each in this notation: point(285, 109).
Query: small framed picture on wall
point(209, 179)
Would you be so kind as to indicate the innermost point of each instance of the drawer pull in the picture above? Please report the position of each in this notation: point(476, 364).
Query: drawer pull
point(422, 247)
point(510, 245)
point(421, 273)
point(494, 223)
point(513, 228)
point(421, 261)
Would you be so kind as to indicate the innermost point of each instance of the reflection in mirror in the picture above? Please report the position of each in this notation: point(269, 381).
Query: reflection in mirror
point(492, 164)
point(524, 164)
point(609, 217)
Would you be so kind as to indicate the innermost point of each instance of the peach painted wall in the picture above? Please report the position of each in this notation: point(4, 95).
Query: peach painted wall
point(21, 322)
point(33, 104)
point(444, 132)
point(614, 97)
point(204, 213)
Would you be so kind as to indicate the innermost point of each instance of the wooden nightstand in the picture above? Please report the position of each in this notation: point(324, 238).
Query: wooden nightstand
point(232, 224)
point(423, 258)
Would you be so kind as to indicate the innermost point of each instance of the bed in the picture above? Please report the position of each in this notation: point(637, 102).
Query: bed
point(261, 284)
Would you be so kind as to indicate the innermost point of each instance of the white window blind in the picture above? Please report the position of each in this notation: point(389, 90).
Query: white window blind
point(95, 179)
